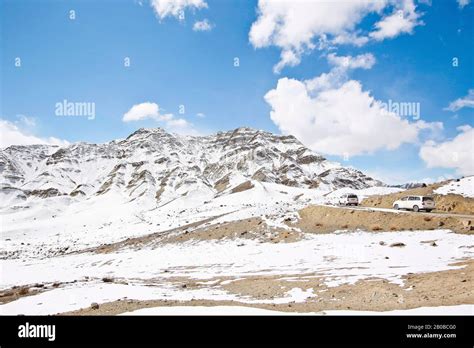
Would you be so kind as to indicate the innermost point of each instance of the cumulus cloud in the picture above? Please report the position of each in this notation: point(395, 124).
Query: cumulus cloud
point(457, 153)
point(287, 58)
point(335, 116)
point(293, 26)
point(143, 111)
point(341, 65)
point(401, 21)
point(203, 25)
point(12, 134)
point(175, 8)
point(339, 121)
point(149, 110)
point(464, 102)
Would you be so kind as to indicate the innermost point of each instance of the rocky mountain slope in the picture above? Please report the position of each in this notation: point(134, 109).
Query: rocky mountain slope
point(158, 167)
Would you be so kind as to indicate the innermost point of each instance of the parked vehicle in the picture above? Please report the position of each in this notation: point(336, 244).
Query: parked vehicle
point(349, 199)
point(415, 203)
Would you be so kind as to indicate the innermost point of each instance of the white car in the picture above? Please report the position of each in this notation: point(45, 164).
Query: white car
point(415, 203)
point(348, 199)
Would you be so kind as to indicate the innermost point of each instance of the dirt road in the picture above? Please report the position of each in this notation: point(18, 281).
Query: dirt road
point(464, 216)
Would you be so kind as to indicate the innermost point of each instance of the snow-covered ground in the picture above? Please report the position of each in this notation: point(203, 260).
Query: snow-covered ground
point(64, 223)
point(79, 296)
point(464, 187)
point(338, 258)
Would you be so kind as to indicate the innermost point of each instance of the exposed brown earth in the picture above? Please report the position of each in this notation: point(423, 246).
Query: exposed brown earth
point(247, 185)
point(13, 294)
point(450, 203)
point(253, 228)
point(222, 183)
point(323, 219)
point(444, 288)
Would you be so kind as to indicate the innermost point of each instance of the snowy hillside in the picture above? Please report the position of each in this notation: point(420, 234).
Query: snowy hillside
point(464, 187)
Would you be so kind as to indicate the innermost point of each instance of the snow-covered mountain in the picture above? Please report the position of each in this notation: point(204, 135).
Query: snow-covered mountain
point(158, 166)
point(410, 185)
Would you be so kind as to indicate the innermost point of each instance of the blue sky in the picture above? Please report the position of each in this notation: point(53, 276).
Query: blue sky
point(172, 65)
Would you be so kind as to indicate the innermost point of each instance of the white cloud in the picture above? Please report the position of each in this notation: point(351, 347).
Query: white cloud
point(401, 21)
point(338, 74)
point(457, 153)
point(335, 116)
point(343, 120)
point(142, 111)
point(293, 26)
point(463, 3)
point(435, 128)
point(203, 25)
point(350, 39)
point(465, 102)
point(12, 134)
point(200, 115)
point(149, 110)
point(362, 61)
point(175, 8)
point(287, 58)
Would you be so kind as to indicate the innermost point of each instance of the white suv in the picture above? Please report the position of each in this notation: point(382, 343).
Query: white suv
point(349, 199)
point(415, 203)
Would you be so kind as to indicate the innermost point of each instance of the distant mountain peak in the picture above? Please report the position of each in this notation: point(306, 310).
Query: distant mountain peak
point(146, 131)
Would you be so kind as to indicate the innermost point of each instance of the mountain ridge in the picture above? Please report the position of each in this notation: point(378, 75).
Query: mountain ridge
point(160, 165)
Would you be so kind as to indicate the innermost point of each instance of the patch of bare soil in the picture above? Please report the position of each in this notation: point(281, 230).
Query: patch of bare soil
point(16, 292)
point(222, 183)
point(247, 185)
point(323, 219)
point(450, 203)
point(444, 288)
point(253, 228)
